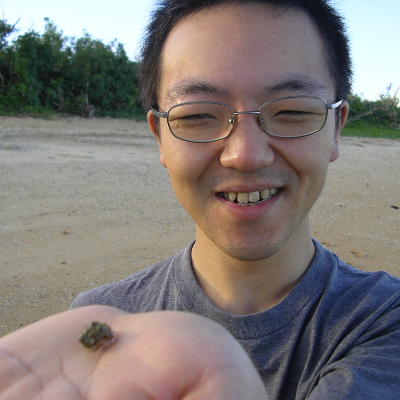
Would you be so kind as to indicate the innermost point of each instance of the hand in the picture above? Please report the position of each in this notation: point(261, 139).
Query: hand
point(164, 355)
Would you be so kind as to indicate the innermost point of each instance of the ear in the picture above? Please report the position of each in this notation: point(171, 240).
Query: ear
point(344, 112)
point(153, 127)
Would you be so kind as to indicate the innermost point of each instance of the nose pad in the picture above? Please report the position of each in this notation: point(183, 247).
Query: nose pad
point(233, 121)
point(260, 121)
point(234, 118)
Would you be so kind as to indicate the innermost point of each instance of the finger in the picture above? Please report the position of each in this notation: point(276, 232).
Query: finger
point(46, 356)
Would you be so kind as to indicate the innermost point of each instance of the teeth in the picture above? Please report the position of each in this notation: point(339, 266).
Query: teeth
point(253, 197)
point(243, 198)
point(232, 196)
point(265, 194)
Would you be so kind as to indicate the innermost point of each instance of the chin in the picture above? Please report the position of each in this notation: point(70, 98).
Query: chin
point(250, 252)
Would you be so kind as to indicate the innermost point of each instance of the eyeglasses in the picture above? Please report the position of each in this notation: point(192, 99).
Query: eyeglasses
point(208, 121)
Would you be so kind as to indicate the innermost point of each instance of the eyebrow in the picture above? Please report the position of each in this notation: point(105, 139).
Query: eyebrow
point(301, 84)
point(297, 84)
point(193, 87)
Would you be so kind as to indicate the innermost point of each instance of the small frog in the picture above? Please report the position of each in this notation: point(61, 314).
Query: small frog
point(96, 335)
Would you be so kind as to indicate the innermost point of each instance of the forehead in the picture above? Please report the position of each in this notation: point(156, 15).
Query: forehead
point(232, 47)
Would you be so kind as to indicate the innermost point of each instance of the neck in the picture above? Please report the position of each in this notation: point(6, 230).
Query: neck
point(246, 287)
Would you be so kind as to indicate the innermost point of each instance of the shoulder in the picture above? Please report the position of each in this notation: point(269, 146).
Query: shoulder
point(140, 291)
point(352, 326)
point(357, 300)
point(343, 277)
point(343, 295)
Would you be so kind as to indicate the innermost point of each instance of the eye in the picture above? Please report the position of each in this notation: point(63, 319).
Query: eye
point(194, 121)
point(293, 116)
point(195, 117)
point(294, 112)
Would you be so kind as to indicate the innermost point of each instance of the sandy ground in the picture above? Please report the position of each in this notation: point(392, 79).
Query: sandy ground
point(86, 202)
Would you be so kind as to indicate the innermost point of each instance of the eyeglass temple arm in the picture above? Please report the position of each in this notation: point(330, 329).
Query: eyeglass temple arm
point(159, 114)
point(334, 105)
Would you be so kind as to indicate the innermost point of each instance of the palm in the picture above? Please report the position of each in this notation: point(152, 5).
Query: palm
point(157, 356)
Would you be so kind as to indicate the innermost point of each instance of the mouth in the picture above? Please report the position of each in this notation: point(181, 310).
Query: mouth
point(252, 198)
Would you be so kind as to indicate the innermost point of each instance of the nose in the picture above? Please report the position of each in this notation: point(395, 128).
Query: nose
point(248, 147)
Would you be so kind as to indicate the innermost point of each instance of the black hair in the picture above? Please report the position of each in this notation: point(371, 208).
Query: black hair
point(169, 12)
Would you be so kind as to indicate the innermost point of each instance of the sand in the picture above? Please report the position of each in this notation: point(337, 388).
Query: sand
point(84, 202)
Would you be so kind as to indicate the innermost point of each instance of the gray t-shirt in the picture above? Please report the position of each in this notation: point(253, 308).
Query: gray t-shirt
point(336, 335)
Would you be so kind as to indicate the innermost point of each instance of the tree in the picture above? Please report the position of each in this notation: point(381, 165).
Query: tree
point(384, 111)
point(104, 75)
point(5, 31)
point(52, 72)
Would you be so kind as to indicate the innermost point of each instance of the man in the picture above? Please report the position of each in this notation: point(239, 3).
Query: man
point(247, 100)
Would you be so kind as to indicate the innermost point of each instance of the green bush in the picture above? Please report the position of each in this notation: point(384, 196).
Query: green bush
point(362, 129)
point(384, 112)
point(54, 73)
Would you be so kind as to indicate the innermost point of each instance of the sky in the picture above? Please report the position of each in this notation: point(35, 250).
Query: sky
point(373, 29)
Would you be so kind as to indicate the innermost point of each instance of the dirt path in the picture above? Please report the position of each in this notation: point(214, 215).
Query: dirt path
point(85, 202)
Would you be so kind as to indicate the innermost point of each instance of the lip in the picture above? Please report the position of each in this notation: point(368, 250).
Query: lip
point(247, 188)
point(249, 212)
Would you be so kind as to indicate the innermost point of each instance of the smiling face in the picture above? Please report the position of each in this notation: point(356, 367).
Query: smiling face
point(249, 194)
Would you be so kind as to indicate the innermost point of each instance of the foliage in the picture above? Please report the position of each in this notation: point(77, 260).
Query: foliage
point(362, 129)
point(5, 31)
point(384, 112)
point(49, 73)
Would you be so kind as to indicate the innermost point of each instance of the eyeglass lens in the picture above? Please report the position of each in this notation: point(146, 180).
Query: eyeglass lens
point(207, 121)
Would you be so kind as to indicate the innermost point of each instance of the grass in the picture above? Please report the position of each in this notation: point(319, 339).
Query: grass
point(35, 112)
point(359, 129)
point(355, 129)
point(42, 112)
point(138, 114)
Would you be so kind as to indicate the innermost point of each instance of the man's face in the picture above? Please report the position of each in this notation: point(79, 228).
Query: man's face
point(244, 56)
